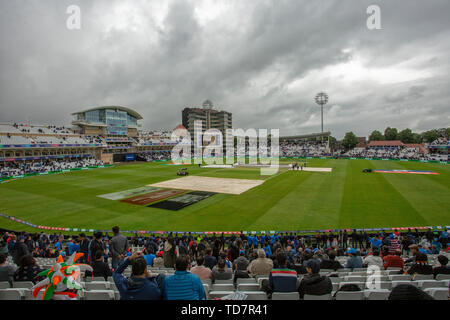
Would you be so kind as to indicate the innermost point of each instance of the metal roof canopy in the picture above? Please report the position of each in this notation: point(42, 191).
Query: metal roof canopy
point(306, 136)
point(128, 110)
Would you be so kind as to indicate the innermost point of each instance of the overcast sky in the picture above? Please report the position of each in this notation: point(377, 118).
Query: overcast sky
point(262, 60)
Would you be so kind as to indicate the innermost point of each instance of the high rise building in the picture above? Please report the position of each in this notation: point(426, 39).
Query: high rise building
point(211, 119)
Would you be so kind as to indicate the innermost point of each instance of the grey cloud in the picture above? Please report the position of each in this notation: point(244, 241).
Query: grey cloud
point(247, 60)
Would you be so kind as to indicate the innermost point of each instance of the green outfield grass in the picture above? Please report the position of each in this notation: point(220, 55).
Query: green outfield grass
point(345, 198)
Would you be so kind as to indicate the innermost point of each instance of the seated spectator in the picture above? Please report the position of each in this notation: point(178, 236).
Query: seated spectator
point(28, 270)
point(183, 285)
point(140, 286)
point(158, 262)
point(281, 279)
point(240, 266)
point(210, 260)
point(200, 270)
point(354, 261)
point(373, 259)
point(221, 271)
point(100, 267)
point(408, 292)
point(313, 283)
point(6, 271)
point(420, 266)
point(261, 266)
point(149, 257)
point(394, 260)
point(331, 263)
point(444, 268)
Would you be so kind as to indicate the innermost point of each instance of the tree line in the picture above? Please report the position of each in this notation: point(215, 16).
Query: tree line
point(406, 136)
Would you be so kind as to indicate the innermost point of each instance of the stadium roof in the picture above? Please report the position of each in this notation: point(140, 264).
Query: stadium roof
point(390, 143)
point(128, 110)
point(306, 136)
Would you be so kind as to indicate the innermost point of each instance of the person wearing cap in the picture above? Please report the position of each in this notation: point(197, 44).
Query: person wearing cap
point(158, 262)
point(313, 283)
point(354, 261)
point(414, 249)
point(240, 266)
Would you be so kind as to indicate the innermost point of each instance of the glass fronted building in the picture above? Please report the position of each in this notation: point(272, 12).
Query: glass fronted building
point(112, 121)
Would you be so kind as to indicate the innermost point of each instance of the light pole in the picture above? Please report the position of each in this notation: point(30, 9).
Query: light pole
point(321, 99)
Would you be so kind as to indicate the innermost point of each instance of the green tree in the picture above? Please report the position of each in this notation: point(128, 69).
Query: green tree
point(376, 136)
point(350, 140)
point(391, 134)
point(447, 132)
point(332, 141)
point(417, 138)
point(406, 136)
point(431, 135)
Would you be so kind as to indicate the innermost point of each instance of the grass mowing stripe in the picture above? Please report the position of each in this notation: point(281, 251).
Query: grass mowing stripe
point(371, 201)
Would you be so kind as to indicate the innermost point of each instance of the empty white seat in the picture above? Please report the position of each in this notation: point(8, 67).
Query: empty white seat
point(206, 281)
point(255, 295)
point(285, 296)
point(438, 293)
point(97, 285)
point(314, 297)
point(99, 295)
point(222, 287)
point(206, 287)
point(424, 284)
point(443, 277)
point(11, 294)
point(423, 277)
point(219, 294)
point(377, 294)
point(248, 287)
point(349, 295)
point(336, 279)
point(245, 280)
point(404, 277)
point(23, 284)
point(355, 279)
point(116, 295)
point(230, 281)
point(4, 285)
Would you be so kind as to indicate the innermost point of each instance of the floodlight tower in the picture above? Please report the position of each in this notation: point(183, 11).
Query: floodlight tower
point(321, 99)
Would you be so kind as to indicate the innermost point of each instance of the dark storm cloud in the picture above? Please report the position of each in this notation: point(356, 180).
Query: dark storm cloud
point(262, 60)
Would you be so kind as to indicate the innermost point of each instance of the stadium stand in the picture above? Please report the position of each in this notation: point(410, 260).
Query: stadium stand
point(426, 269)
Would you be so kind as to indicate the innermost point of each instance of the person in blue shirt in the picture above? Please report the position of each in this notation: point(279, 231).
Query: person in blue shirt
point(255, 242)
point(149, 257)
point(376, 242)
point(73, 247)
point(183, 285)
point(250, 241)
point(58, 245)
point(354, 261)
point(268, 250)
point(140, 286)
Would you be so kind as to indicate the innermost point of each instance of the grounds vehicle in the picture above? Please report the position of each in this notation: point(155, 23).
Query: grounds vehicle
point(183, 172)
